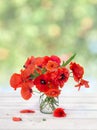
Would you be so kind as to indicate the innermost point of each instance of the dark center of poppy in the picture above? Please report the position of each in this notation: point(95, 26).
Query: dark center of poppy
point(43, 81)
point(62, 76)
point(52, 65)
point(39, 66)
point(30, 90)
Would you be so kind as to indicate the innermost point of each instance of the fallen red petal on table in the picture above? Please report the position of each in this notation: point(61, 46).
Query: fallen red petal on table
point(17, 119)
point(27, 111)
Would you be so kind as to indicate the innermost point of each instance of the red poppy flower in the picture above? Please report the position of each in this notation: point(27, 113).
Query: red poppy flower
point(15, 80)
point(17, 119)
point(56, 59)
point(39, 62)
point(51, 80)
point(26, 91)
point(45, 60)
point(25, 73)
point(60, 76)
point(27, 111)
point(26, 76)
point(53, 92)
point(41, 83)
point(29, 61)
point(51, 66)
point(59, 112)
point(77, 70)
point(81, 83)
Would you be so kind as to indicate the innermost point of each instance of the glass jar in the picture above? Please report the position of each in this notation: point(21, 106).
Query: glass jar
point(48, 104)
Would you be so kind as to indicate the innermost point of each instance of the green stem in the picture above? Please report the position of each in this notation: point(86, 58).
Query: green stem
point(50, 101)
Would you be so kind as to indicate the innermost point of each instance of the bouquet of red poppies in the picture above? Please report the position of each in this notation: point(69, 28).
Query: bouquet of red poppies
point(48, 74)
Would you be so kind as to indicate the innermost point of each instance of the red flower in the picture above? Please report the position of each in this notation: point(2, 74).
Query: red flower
point(60, 76)
point(15, 81)
point(45, 60)
point(29, 61)
point(56, 59)
point(39, 62)
point(51, 66)
point(59, 112)
point(17, 119)
point(81, 83)
point(26, 91)
point(52, 58)
point(41, 83)
point(53, 92)
point(77, 70)
point(26, 76)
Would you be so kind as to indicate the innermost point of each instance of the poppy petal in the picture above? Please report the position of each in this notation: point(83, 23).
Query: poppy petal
point(15, 80)
point(27, 111)
point(26, 93)
point(17, 119)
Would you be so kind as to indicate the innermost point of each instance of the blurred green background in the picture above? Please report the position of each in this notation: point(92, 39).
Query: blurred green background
point(46, 27)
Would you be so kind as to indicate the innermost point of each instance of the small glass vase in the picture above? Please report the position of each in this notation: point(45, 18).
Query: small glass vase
point(48, 104)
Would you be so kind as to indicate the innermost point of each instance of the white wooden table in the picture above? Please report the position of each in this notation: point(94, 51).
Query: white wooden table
point(81, 112)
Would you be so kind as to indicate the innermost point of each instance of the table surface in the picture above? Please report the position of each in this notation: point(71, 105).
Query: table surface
point(81, 112)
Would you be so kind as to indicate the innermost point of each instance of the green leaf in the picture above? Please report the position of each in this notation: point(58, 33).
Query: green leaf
point(43, 70)
point(33, 76)
point(69, 60)
point(36, 73)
